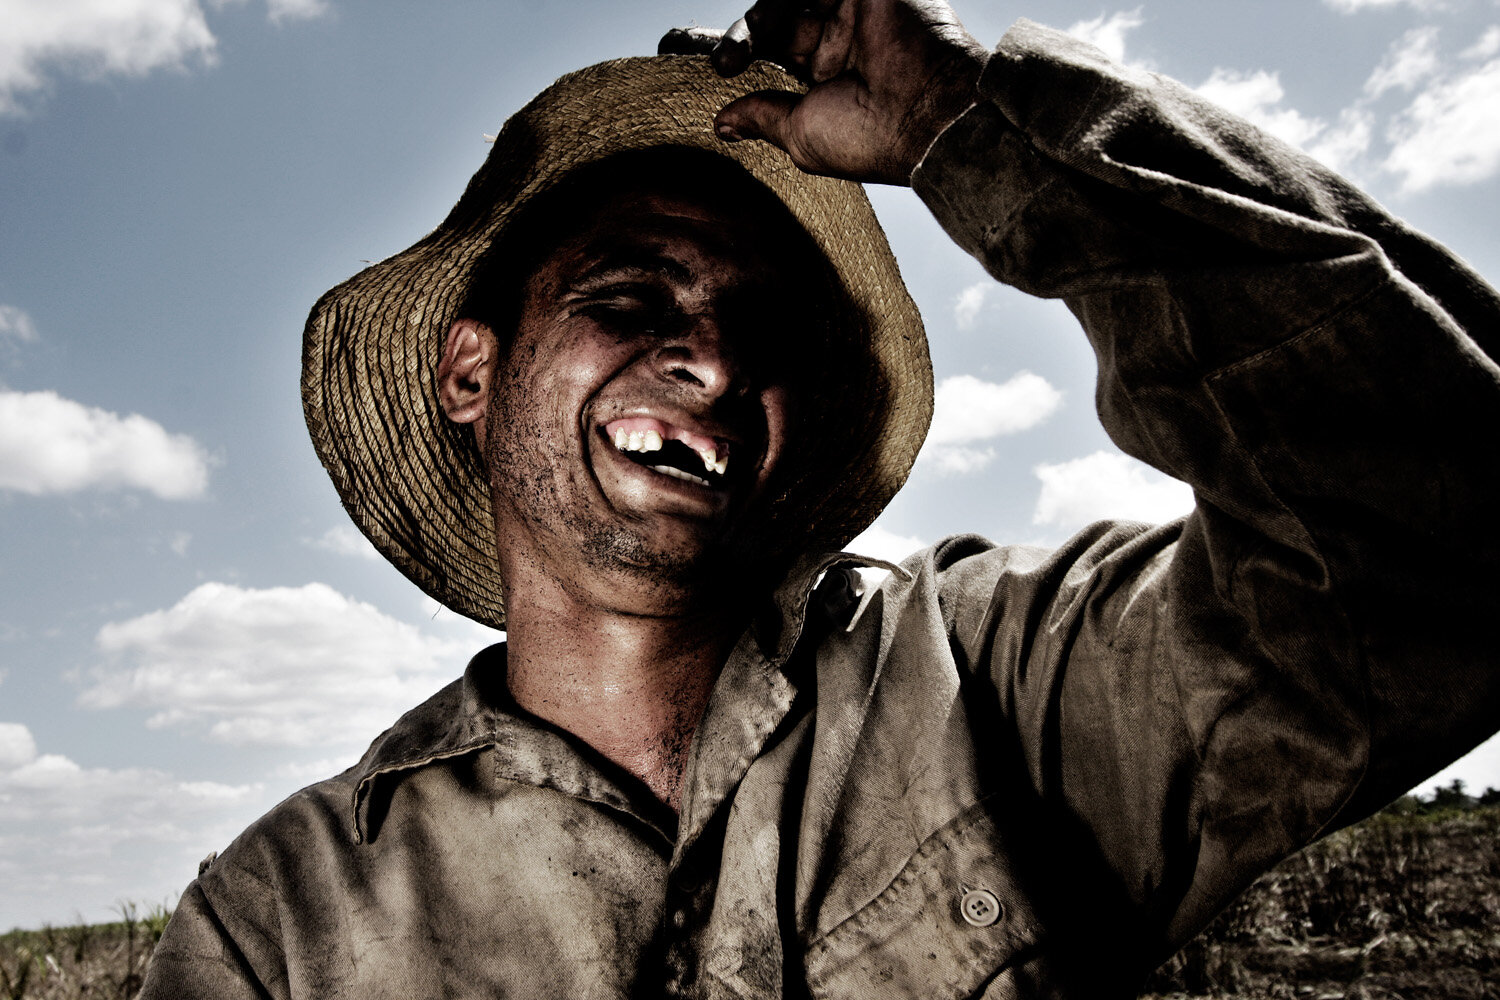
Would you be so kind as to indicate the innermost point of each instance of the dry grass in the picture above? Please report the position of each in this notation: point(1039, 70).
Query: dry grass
point(1405, 906)
point(1401, 907)
point(85, 960)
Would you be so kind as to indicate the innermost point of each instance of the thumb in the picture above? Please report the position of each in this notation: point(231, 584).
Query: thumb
point(764, 114)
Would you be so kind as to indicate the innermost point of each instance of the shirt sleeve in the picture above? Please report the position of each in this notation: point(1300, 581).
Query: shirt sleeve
point(1208, 696)
point(197, 958)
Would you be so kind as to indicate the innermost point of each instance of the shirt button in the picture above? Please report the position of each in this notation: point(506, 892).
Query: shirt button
point(679, 918)
point(979, 907)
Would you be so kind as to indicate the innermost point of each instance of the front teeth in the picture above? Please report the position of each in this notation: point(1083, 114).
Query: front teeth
point(637, 440)
point(651, 440)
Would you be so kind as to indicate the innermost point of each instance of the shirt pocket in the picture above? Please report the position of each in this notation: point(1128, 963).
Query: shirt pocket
point(950, 921)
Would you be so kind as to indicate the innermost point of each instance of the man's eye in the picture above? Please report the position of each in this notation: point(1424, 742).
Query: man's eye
point(616, 315)
point(626, 315)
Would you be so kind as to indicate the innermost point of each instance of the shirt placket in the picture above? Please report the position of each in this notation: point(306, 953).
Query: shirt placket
point(753, 700)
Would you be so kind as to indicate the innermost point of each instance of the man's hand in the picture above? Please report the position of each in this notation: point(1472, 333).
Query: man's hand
point(885, 76)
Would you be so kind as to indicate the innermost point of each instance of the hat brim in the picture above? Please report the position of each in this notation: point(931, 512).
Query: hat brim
point(414, 483)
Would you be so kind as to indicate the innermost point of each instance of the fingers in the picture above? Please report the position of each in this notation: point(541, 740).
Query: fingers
point(732, 55)
point(782, 31)
point(764, 114)
point(688, 41)
point(835, 45)
point(803, 43)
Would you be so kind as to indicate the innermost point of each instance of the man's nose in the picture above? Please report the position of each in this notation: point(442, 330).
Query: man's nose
point(701, 357)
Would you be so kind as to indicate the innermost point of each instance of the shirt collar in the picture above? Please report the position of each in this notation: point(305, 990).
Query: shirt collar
point(477, 711)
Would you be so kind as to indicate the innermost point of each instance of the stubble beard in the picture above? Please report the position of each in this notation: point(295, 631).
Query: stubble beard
point(610, 549)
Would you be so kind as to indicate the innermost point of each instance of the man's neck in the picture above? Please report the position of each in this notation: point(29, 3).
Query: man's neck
point(632, 687)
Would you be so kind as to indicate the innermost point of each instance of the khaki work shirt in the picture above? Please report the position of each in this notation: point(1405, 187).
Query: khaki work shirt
point(1005, 772)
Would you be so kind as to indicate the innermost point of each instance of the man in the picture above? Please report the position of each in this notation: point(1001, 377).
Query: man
point(702, 764)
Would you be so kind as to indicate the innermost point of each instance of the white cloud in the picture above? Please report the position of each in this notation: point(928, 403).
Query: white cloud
point(53, 445)
point(16, 325)
point(968, 410)
point(1342, 145)
point(305, 772)
point(1447, 135)
point(79, 837)
point(1352, 6)
point(955, 460)
point(287, 666)
point(1107, 485)
point(16, 745)
point(99, 38)
point(1488, 44)
point(345, 541)
point(52, 787)
point(966, 307)
point(1411, 59)
point(96, 38)
point(879, 543)
point(296, 10)
point(1256, 97)
point(1108, 32)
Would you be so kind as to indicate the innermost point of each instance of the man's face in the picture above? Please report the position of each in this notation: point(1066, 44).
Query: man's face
point(643, 405)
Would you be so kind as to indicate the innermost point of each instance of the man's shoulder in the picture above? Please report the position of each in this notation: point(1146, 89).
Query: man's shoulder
point(965, 562)
point(970, 582)
point(324, 819)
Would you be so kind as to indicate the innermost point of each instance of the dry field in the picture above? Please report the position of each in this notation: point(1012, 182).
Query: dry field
point(85, 960)
point(1405, 906)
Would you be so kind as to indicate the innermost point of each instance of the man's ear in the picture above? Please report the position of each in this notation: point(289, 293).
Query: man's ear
point(466, 372)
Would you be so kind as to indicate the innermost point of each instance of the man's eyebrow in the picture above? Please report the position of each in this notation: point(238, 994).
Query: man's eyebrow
point(619, 260)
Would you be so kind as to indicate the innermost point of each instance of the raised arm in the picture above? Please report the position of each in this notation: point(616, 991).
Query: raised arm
point(1313, 639)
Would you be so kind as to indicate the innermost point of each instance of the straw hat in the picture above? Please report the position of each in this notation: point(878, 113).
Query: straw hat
point(414, 483)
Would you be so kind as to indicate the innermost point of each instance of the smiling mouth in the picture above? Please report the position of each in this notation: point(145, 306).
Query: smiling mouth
point(671, 451)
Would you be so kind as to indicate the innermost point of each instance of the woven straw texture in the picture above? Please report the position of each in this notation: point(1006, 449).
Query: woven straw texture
point(414, 483)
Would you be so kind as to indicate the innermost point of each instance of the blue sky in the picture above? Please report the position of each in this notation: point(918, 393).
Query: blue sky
point(189, 627)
